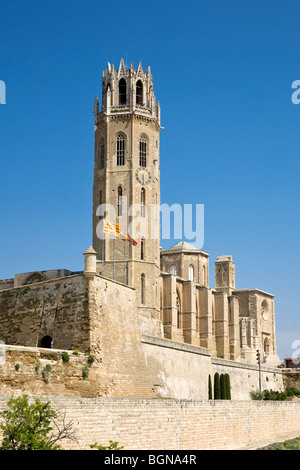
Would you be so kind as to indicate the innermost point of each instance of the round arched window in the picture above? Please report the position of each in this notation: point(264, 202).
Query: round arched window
point(265, 310)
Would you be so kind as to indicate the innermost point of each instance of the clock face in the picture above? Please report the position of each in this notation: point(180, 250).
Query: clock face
point(143, 175)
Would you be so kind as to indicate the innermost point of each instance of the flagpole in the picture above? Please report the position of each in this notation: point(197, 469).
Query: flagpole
point(103, 254)
point(124, 263)
point(114, 261)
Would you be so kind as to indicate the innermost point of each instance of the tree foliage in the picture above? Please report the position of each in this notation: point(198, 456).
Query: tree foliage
point(30, 426)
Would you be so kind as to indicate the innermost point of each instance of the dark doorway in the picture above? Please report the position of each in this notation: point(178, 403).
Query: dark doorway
point(45, 342)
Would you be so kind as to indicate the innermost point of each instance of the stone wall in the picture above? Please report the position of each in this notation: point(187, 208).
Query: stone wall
point(181, 371)
point(22, 372)
point(100, 316)
point(56, 308)
point(177, 424)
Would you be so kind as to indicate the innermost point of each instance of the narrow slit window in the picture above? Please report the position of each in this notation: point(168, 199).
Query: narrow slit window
point(101, 154)
point(143, 202)
point(143, 289)
point(120, 195)
point(142, 249)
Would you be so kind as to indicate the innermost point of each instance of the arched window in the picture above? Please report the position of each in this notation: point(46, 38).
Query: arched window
point(120, 199)
point(204, 276)
point(143, 152)
point(266, 346)
point(143, 289)
point(142, 249)
point(120, 150)
point(101, 154)
point(143, 202)
point(173, 270)
point(139, 93)
point(122, 92)
point(265, 309)
point(191, 272)
point(45, 342)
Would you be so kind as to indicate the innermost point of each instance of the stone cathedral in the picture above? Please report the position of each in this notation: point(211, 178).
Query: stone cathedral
point(172, 286)
point(155, 325)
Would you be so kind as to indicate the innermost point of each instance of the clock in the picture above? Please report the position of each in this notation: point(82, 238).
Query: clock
point(143, 175)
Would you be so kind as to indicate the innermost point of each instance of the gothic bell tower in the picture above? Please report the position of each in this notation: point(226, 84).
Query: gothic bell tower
point(127, 182)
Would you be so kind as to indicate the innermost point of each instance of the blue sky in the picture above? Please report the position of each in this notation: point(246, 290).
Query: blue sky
point(222, 73)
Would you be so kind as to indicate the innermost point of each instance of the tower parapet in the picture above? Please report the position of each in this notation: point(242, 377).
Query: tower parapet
point(127, 91)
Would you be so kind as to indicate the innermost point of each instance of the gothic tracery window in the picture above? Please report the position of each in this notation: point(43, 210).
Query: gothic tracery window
point(173, 270)
point(143, 152)
point(120, 150)
point(139, 93)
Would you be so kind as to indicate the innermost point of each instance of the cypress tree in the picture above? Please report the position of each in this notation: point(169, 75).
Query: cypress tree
point(217, 386)
point(222, 387)
point(209, 388)
point(228, 387)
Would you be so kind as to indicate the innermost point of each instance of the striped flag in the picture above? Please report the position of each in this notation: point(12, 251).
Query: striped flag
point(113, 229)
point(127, 238)
point(131, 240)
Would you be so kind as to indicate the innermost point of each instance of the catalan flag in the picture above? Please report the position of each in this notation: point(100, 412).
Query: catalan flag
point(113, 229)
point(131, 240)
point(127, 238)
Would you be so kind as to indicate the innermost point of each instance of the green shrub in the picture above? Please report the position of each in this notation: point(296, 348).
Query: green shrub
point(17, 367)
point(292, 391)
point(257, 394)
point(65, 357)
point(85, 372)
point(91, 359)
point(274, 396)
point(112, 446)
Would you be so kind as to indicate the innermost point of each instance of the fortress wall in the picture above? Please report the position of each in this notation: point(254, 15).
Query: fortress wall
point(103, 314)
point(181, 371)
point(245, 377)
point(57, 308)
point(156, 424)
